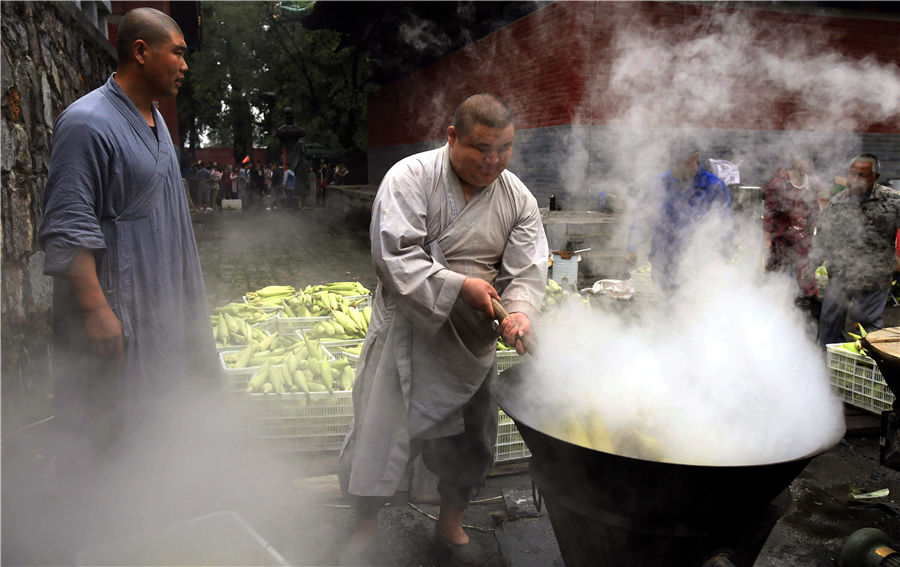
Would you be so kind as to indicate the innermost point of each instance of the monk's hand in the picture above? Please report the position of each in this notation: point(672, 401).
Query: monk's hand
point(477, 294)
point(513, 328)
point(104, 333)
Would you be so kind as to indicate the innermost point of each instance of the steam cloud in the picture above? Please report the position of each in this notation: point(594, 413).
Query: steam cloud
point(725, 70)
point(722, 371)
point(719, 372)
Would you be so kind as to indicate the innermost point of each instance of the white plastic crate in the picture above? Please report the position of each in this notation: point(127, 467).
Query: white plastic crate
point(509, 446)
point(236, 379)
point(291, 324)
point(268, 326)
point(288, 422)
point(858, 380)
point(359, 301)
point(506, 359)
point(334, 349)
point(329, 342)
point(288, 325)
point(229, 348)
point(264, 308)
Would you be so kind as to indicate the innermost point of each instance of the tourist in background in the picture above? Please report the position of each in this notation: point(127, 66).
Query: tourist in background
point(856, 239)
point(204, 184)
point(791, 214)
point(215, 179)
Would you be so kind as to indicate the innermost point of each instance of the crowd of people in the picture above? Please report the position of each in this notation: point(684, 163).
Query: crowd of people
point(269, 186)
point(854, 236)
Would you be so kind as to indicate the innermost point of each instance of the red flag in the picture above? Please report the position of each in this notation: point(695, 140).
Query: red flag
point(246, 159)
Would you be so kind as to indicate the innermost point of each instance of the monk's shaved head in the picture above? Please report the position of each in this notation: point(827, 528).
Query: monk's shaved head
point(482, 108)
point(147, 24)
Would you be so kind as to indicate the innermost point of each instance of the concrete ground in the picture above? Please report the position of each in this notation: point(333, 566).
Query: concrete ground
point(292, 500)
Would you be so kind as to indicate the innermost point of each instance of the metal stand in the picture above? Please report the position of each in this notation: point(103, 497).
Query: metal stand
point(889, 440)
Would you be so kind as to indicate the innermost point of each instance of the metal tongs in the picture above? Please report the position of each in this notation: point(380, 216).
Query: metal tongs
point(500, 314)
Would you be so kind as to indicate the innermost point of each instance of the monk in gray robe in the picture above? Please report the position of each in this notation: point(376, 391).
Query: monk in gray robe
point(131, 328)
point(451, 229)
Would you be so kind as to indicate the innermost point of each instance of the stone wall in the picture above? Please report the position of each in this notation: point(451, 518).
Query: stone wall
point(50, 57)
point(350, 206)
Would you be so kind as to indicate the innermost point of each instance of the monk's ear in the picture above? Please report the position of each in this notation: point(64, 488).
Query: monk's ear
point(451, 135)
point(139, 50)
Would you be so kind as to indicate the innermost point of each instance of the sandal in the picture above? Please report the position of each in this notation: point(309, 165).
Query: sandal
point(460, 554)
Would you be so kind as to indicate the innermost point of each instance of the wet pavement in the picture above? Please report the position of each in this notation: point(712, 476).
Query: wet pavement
point(243, 251)
point(292, 500)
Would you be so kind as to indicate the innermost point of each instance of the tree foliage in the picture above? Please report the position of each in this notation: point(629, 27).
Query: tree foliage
point(252, 64)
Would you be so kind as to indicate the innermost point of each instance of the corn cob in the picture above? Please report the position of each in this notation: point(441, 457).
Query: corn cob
point(315, 366)
point(222, 331)
point(276, 380)
point(327, 375)
point(300, 379)
point(244, 356)
point(265, 343)
point(291, 362)
point(287, 376)
point(259, 378)
point(346, 322)
point(347, 377)
point(271, 290)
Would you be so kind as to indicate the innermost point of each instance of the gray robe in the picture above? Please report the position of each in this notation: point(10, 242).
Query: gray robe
point(116, 190)
point(427, 353)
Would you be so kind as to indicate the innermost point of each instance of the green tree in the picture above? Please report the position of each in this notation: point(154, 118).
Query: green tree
point(252, 64)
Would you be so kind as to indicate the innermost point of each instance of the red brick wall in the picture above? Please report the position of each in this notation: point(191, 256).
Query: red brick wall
point(531, 63)
point(756, 40)
point(553, 68)
point(225, 156)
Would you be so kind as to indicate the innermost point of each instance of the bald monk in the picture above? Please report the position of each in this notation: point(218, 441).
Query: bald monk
point(452, 229)
point(130, 325)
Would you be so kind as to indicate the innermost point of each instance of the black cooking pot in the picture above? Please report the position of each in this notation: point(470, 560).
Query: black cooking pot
point(610, 510)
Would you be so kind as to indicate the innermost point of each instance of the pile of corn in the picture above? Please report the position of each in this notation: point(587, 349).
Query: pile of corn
point(555, 296)
point(234, 324)
point(313, 301)
point(291, 364)
point(347, 323)
point(855, 346)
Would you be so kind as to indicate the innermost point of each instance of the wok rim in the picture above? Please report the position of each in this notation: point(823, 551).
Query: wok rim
point(501, 382)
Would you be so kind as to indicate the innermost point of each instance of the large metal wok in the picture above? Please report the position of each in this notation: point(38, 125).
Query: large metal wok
point(610, 510)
